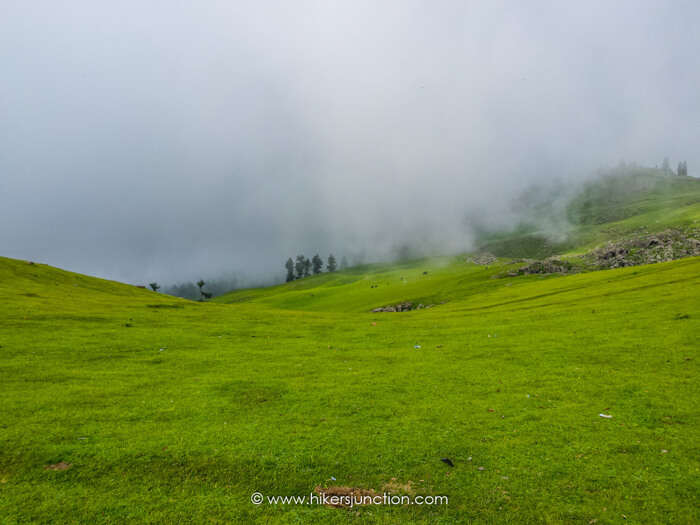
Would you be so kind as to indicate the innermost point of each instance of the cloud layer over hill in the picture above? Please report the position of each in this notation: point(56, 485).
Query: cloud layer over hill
point(158, 141)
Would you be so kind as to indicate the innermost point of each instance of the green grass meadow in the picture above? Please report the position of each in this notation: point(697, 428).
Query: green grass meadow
point(171, 411)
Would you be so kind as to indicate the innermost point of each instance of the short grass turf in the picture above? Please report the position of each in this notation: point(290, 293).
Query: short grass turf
point(170, 411)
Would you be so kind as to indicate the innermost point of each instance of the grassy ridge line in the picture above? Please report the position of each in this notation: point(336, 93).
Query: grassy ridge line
point(605, 209)
point(594, 285)
point(16, 274)
point(464, 286)
point(623, 196)
point(609, 208)
point(21, 281)
point(455, 282)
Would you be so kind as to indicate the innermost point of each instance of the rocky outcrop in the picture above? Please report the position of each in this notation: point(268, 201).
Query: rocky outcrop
point(403, 307)
point(668, 245)
point(545, 267)
point(642, 248)
point(483, 259)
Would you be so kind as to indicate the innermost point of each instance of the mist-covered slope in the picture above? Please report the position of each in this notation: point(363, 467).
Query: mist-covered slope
point(624, 204)
point(559, 219)
point(448, 284)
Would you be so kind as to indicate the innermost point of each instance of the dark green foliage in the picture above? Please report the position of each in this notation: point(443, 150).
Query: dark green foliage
point(331, 263)
point(307, 267)
point(289, 265)
point(343, 263)
point(317, 264)
point(154, 286)
point(190, 291)
point(202, 294)
point(682, 169)
point(300, 266)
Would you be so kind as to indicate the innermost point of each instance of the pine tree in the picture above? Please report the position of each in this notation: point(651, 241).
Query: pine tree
point(307, 267)
point(289, 265)
point(317, 264)
point(202, 294)
point(343, 263)
point(154, 286)
point(299, 266)
point(331, 263)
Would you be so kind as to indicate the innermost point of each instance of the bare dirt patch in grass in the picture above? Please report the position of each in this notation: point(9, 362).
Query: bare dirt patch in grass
point(63, 465)
point(340, 497)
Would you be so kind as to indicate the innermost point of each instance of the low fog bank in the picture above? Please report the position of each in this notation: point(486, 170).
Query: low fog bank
point(172, 143)
point(547, 208)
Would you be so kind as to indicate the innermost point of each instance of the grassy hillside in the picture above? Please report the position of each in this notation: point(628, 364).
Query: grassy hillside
point(173, 411)
point(609, 207)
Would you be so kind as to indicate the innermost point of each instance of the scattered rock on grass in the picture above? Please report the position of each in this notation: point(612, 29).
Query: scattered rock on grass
point(545, 267)
point(668, 245)
point(402, 307)
point(482, 259)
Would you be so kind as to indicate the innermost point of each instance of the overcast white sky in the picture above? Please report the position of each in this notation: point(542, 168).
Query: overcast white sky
point(167, 141)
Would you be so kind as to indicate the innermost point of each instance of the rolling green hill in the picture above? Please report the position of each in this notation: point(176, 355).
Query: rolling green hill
point(120, 404)
point(166, 410)
point(609, 207)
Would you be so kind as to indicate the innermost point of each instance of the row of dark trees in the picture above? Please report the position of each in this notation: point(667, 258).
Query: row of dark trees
point(303, 267)
point(196, 291)
point(202, 294)
point(682, 167)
